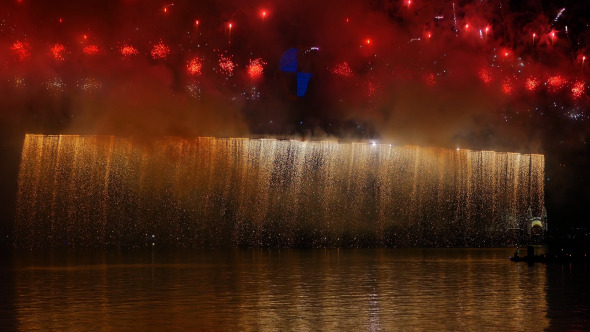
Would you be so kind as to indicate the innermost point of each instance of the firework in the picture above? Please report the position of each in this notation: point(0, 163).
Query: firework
point(21, 50)
point(229, 26)
point(486, 76)
point(128, 51)
point(507, 86)
point(558, 16)
point(89, 85)
point(55, 86)
point(255, 68)
point(57, 51)
point(90, 50)
point(555, 83)
point(194, 90)
point(194, 67)
point(371, 88)
point(578, 89)
point(227, 65)
point(430, 80)
point(342, 69)
point(532, 83)
point(160, 51)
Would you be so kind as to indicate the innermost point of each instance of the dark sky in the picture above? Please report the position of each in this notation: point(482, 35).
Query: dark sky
point(437, 73)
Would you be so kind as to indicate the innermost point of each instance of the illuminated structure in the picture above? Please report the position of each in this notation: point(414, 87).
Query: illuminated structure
point(224, 192)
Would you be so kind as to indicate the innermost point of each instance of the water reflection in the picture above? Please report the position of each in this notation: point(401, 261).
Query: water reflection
point(367, 289)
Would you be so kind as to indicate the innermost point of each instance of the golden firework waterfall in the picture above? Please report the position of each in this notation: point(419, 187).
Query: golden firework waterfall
point(80, 191)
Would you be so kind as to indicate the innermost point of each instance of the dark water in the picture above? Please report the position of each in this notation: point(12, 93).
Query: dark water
point(298, 290)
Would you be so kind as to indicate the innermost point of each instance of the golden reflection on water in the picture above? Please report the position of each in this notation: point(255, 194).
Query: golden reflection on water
point(302, 290)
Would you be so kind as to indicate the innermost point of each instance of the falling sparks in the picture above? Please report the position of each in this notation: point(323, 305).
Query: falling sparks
point(226, 65)
point(57, 51)
point(21, 50)
point(194, 67)
point(488, 177)
point(128, 51)
point(255, 68)
point(160, 51)
point(342, 69)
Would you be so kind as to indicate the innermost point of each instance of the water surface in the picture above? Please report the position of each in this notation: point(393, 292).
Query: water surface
point(302, 290)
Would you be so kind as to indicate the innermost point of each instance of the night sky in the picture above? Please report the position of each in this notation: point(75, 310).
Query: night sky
point(498, 75)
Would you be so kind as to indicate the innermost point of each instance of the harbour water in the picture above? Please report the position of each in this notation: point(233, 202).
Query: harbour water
point(290, 290)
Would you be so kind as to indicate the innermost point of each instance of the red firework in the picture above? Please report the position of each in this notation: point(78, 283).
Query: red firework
point(507, 86)
point(160, 51)
point(128, 50)
point(371, 89)
point(430, 80)
point(57, 51)
point(227, 65)
point(194, 67)
point(555, 83)
point(255, 68)
point(90, 50)
point(578, 89)
point(21, 50)
point(486, 76)
point(532, 83)
point(342, 69)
